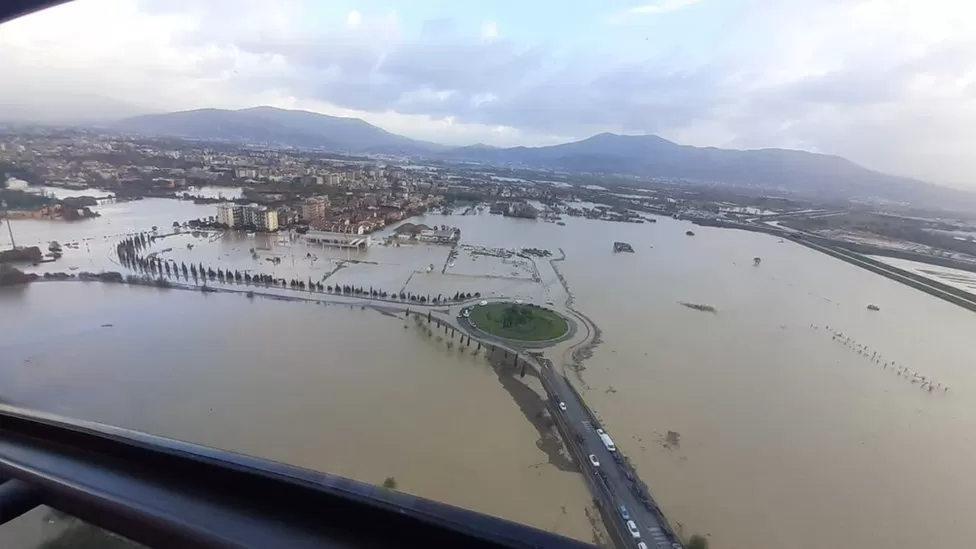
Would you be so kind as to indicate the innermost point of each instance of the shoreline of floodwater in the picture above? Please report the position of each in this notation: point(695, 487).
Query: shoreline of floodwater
point(583, 350)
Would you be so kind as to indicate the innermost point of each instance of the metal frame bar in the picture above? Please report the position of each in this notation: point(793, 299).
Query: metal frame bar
point(166, 493)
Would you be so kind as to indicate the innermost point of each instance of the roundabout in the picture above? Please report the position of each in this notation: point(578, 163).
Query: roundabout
point(524, 324)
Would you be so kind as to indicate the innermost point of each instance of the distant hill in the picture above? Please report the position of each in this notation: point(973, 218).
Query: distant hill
point(272, 126)
point(644, 155)
point(652, 156)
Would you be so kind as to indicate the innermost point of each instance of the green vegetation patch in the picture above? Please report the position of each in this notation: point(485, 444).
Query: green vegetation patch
point(522, 322)
point(20, 200)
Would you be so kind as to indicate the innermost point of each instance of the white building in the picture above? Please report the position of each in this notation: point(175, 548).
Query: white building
point(438, 236)
point(337, 240)
point(229, 214)
point(269, 220)
point(260, 217)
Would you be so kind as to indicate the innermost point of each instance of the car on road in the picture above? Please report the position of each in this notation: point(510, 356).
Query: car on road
point(624, 513)
point(594, 461)
point(608, 442)
point(562, 406)
point(641, 545)
point(634, 530)
point(599, 432)
point(483, 302)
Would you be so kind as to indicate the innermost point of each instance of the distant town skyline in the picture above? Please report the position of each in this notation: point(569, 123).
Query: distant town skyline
point(888, 85)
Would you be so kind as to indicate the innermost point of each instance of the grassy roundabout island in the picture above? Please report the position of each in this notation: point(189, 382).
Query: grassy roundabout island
point(518, 321)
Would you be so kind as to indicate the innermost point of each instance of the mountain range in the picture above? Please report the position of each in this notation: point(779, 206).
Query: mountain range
point(644, 155)
point(273, 126)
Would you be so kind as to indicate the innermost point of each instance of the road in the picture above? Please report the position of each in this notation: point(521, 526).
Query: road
point(612, 483)
point(611, 476)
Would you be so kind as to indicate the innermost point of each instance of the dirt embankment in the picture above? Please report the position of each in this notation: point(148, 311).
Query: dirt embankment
point(583, 351)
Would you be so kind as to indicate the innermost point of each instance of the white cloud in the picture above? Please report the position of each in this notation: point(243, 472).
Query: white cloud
point(489, 30)
point(660, 7)
point(663, 6)
point(887, 83)
point(482, 98)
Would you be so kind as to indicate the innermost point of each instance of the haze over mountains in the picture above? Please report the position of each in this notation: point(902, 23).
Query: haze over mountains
point(647, 155)
point(278, 127)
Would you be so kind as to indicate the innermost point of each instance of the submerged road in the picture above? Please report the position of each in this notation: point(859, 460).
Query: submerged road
point(615, 487)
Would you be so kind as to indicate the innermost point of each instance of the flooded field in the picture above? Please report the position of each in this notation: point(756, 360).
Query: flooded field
point(957, 278)
point(338, 389)
point(497, 263)
point(789, 435)
point(799, 417)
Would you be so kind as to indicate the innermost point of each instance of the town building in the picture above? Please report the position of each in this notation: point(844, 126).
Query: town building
point(261, 217)
point(337, 239)
point(229, 214)
point(315, 208)
point(439, 236)
point(253, 215)
point(286, 217)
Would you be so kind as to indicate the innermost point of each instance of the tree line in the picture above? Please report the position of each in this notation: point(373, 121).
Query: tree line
point(128, 251)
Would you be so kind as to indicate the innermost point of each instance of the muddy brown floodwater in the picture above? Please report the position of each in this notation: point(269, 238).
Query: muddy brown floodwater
point(792, 416)
point(332, 388)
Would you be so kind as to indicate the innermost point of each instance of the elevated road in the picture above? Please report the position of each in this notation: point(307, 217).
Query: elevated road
point(615, 486)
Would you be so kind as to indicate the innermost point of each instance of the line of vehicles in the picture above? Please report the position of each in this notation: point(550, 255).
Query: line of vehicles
point(635, 532)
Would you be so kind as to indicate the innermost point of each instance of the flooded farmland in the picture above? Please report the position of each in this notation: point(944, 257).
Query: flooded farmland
point(787, 435)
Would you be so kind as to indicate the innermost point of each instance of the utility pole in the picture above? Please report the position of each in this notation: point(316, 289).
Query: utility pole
point(10, 230)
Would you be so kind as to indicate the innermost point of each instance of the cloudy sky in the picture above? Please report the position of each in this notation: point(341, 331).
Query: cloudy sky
point(890, 84)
